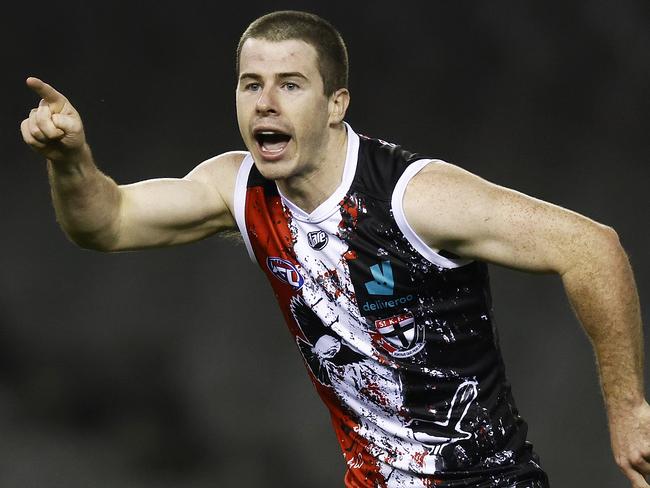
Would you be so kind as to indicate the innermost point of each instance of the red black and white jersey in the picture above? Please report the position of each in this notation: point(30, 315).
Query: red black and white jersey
point(398, 338)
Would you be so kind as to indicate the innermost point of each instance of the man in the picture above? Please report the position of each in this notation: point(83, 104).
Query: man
point(376, 257)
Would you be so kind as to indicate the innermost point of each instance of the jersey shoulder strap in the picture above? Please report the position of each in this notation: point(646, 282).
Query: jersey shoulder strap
point(380, 165)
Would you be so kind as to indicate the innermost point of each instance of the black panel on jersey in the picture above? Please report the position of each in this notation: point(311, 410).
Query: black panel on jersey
point(451, 311)
point(383, 164)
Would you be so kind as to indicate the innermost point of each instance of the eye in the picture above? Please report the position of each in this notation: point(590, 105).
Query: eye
point(290, 86)
point(254, 86)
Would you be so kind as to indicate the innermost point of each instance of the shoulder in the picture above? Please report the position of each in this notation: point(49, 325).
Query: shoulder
point(219, 173)
point(446, 183)
point(441, 173)
point(223, 165)
point(442, 199)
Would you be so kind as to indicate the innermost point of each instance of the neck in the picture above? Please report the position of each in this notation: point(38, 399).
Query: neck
point(311, 188)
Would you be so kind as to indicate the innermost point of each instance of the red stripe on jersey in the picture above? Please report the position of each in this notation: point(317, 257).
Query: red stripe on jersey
point(267, 223)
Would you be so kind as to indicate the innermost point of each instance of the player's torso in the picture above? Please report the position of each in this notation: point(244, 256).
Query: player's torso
point(399, 341)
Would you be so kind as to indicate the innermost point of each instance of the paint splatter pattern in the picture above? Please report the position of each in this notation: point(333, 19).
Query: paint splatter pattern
point(402, 350)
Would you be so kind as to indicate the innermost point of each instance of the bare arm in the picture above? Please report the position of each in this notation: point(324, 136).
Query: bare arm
point(96, 213)
point(454, 210)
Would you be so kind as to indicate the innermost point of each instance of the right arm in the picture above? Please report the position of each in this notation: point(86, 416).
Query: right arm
point(96, 213)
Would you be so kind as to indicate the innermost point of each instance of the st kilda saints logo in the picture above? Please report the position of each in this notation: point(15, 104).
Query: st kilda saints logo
point(317, 239)
point(399, 335)
point(285, 271)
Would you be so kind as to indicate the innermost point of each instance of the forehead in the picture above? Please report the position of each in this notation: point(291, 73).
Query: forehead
point(260, 55)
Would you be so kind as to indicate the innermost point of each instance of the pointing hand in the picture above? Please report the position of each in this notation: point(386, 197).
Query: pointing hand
point(53, 129)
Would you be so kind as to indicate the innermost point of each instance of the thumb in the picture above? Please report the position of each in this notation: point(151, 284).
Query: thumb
point(53, 98)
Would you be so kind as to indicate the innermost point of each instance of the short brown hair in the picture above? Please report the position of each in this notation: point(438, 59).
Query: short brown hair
point(284, 25)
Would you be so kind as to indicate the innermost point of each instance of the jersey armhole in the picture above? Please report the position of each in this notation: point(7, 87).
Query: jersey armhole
point(239, 202)
point(416, 241)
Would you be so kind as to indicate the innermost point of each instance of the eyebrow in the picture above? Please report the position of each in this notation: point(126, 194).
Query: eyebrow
point(291, 74)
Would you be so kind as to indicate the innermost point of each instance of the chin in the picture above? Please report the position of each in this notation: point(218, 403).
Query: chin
point(274, 170)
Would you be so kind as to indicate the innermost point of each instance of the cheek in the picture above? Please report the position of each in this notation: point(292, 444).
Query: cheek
point(315, 115)
point(239, 108)
point(242, 120)
point(316, 123)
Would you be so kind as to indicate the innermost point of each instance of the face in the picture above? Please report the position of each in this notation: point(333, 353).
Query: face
point(282, 112)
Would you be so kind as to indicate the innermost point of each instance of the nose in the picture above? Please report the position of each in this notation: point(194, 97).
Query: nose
point(266, 103)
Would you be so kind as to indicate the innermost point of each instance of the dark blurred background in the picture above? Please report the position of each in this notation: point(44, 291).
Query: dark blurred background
point(172, 367)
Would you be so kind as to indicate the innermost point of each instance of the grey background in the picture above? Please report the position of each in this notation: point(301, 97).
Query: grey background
point(172, 367)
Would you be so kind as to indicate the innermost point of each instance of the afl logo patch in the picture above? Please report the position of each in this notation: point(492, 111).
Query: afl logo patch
point(317, 239)
point(285, 272)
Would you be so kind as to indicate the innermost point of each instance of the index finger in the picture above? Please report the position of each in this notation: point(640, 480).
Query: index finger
point(53, 98)
point(637, 479)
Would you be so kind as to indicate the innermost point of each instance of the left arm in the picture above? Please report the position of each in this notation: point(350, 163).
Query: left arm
point(455, 210)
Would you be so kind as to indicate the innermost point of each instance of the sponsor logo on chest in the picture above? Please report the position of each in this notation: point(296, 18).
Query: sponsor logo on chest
point(317, 239)
point(383, 283)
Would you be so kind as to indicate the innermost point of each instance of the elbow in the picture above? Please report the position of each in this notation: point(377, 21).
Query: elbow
point(94, 241)
point(597, 245)
point(96, 246)
point(608, 240)
point(99, 234)
point(599, 240)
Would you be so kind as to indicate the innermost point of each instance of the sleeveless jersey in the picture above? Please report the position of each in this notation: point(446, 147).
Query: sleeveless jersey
point(397, 338)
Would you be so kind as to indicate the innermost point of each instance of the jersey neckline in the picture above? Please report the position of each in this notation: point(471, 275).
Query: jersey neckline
point(325, 209)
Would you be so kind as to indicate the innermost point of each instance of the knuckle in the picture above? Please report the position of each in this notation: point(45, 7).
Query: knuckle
point(39, 123)
point(636, 460)
point(46, 130)
point(42, 118)
point(38, 135)
point(621, 462)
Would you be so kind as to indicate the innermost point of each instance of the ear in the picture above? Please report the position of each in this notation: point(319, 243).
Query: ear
point(338, 105)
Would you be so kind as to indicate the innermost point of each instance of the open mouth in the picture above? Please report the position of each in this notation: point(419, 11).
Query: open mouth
point(271, 142)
